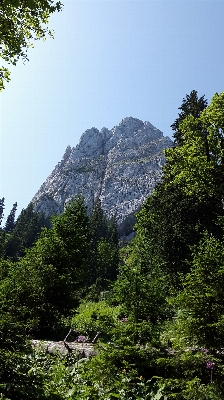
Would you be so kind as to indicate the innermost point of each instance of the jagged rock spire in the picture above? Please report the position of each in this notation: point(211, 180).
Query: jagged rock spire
point(119, 166)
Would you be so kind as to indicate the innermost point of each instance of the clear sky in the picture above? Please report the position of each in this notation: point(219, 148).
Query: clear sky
point(110, 59)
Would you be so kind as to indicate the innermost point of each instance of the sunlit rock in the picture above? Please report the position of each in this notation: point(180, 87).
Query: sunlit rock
point(120, 167)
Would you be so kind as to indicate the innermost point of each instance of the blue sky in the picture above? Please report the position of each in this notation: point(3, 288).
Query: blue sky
point(110, 59)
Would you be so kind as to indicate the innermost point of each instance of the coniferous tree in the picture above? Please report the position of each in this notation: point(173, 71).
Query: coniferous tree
point(103, 255)
point(201, 300)
point(51, 277)
point(141, 285)
point(97, 225)
point(171, 222)
point(189, 198)
point(10, 221)
point(191, 105)
point(2, 201)
point(98, 222)
point(112, 238)
point(198, 168)
point(26, 231)
point(2, 233)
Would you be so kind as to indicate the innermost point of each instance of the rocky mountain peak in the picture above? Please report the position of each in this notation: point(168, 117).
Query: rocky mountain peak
point(119, 166)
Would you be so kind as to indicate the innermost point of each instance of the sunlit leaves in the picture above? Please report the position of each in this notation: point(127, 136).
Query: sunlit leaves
point(196, 165)
point(21, 23)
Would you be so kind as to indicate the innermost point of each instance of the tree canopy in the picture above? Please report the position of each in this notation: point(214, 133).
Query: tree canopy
point(21, 23)
point(10, 222)
point(155, 304)
point(191, 105)
point(197, 165)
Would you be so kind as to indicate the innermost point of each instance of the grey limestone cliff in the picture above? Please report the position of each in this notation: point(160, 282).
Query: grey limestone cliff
point(119, 166)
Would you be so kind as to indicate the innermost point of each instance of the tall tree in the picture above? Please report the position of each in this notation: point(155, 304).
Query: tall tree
point(201, 301)
point(171, 222)
point(191, 105)
point(189, 165)
point(2, 207)
point(113, 241)
point(103, 254)
point(22, 22)
point(26, 231)
point(141, 285)
point(10, 221)
point(189, 198)
point(50, 279)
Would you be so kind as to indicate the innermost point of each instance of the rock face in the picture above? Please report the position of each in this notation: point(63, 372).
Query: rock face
point(119, 166)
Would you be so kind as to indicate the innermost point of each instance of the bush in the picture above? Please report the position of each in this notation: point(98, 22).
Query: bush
point(92, 318)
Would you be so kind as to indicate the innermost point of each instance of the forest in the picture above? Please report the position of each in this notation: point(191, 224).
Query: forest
point(155, 303)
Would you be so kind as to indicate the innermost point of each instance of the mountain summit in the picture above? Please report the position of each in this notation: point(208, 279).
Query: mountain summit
point(119, 166)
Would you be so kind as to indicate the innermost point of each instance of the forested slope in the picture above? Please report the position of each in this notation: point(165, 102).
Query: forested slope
point(156, 304)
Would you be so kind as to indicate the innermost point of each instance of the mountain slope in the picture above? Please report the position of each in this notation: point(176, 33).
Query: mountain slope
point(119, 166)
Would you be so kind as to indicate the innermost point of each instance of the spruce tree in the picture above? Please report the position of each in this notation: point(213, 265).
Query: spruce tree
point(171, 222)
point(26, 231)
point(103, 254)
point(10, 222)
point(201, 300)
point(189, 200)
point(191, 105)
point(2, 201)
point(189, 165)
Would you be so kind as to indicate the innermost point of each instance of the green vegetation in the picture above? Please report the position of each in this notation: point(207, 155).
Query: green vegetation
point(155, 305)
point(22, 22)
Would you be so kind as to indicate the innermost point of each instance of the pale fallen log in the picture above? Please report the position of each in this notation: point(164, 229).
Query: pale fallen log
point(83, 350)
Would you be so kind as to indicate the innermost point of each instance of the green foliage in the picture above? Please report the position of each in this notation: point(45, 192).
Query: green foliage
point(184, 375)
point(92, 318)
point(197, 165)
point(191, 105)
point(10, 221)
point(25, 232)
point(103, 251)
point(46, 284)
point(160, 323)
point(188, 201)
point(107, 261)
point(141, 286)
point(171, 222)
point(16, 379)
point(71, 233)
point(202, 297)
point(22, 22)
point(100, 379)
point(49, 281)
point(2, 206)
point(59, 378)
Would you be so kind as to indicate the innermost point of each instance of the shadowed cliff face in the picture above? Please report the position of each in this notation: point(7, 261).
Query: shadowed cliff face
point(119, 166)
